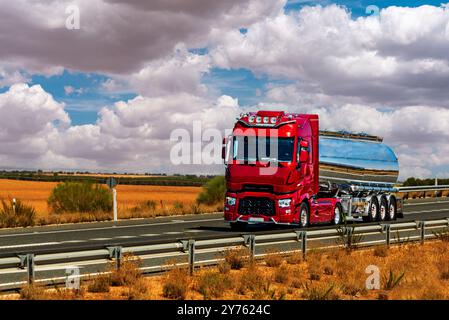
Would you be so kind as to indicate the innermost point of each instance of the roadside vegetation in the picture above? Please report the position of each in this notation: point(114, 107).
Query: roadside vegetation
point(213, 192)
point(410, 271)
point(16, 214)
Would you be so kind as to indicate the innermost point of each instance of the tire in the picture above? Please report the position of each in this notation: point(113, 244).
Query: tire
point(383, 209)
point(238, 226)
point(304, 215)
point(373, 212)
point(392, 210)
point(338, 212)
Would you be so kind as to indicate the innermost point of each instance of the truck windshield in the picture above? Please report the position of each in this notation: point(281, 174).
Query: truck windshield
point(263, 149)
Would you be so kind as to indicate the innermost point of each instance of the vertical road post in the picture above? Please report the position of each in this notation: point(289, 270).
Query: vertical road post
point(422, 225)
point(387, 229)
point(14, 205)
point(114, 203)
point(30, 267)
point(250, 242)
point(304, 244)
point(191, 249)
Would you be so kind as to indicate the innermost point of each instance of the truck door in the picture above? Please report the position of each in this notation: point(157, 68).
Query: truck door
point(321, 209)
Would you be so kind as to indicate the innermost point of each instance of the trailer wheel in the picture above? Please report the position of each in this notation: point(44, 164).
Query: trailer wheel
point(383, 210)
point(337, 214)
point(392, 209)
point(373, 212)
point(304, 215)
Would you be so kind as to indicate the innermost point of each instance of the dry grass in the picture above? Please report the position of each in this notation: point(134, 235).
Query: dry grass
point(132, 201)
point(417, 272)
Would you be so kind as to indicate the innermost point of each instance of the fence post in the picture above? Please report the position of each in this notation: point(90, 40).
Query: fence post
point(191, 249)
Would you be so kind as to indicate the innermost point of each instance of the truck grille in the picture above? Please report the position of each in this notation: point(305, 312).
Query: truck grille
point(257, 188)
point(257, 206)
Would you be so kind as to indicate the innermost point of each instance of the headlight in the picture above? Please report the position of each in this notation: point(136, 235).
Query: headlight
point(284, 203)
point(230, 201)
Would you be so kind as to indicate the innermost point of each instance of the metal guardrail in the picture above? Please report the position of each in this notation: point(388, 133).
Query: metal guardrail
point(50, 268)
point(423, 188)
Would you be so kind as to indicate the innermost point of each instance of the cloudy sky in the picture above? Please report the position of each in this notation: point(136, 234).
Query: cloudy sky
point(108, 95)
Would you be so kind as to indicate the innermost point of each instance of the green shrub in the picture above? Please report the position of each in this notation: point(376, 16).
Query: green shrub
point(16, 215)
point(80, 197)
point(213, 192)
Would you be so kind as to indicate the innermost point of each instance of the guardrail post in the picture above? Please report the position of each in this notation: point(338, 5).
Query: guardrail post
point(302, 236)
point(422, 225)
point(387, 229)
point(116, 254)
point(27, 262)
point(191, 249)
point(250, 241)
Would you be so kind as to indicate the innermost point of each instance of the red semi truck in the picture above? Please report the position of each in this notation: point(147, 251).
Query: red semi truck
point(281, 169)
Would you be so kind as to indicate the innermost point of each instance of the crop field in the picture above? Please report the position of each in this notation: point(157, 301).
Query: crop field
point(128, 196)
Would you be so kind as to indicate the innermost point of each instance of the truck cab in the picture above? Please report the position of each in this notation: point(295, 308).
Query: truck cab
point(272, 172)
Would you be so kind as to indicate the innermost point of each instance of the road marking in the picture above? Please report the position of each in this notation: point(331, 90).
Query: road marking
point(100, 239)
point(149, 235)
point(73, 241)
point(29, 245)
point(195, 230)
point(106, 228)
point(125, 237)
point(177, 221)
point(172, 232)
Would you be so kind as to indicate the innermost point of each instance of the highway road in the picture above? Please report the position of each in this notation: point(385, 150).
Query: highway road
point(162, 229)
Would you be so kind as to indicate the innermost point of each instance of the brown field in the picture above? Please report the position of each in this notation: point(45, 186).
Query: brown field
point(326, 275)
point(128, 196)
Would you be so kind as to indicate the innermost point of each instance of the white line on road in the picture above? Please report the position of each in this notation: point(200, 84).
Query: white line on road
point(100, 239)
point(125, 237)
point(172, 232)
point(150, 235)
point(29, 245)
point(105, 228)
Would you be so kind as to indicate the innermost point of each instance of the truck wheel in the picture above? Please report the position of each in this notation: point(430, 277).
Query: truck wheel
point(392, 210)
point(383, 210)
point(304, 215)
point(337, 214)
point(238, 226)
point(373, 212)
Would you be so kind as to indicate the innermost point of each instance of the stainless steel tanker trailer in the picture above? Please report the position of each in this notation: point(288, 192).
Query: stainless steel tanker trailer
point(356, 168)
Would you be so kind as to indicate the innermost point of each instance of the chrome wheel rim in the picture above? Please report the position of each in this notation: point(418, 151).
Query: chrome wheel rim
point(304, 217)
point(373, 210)
point(392, 211)
point(383, 212)
point(337, 215)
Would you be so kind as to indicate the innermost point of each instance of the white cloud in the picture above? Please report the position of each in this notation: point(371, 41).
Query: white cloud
point(397, 59)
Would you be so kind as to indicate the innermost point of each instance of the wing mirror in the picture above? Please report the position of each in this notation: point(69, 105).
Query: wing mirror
point(303, 151)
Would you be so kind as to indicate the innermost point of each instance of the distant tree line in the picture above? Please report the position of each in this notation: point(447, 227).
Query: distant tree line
point(412, 181)
point(159, 180)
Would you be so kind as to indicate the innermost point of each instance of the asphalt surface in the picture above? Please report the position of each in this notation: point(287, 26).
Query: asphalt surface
point(165, 229)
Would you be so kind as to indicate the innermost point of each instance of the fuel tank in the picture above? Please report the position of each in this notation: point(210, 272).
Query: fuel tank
point(347, 158)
